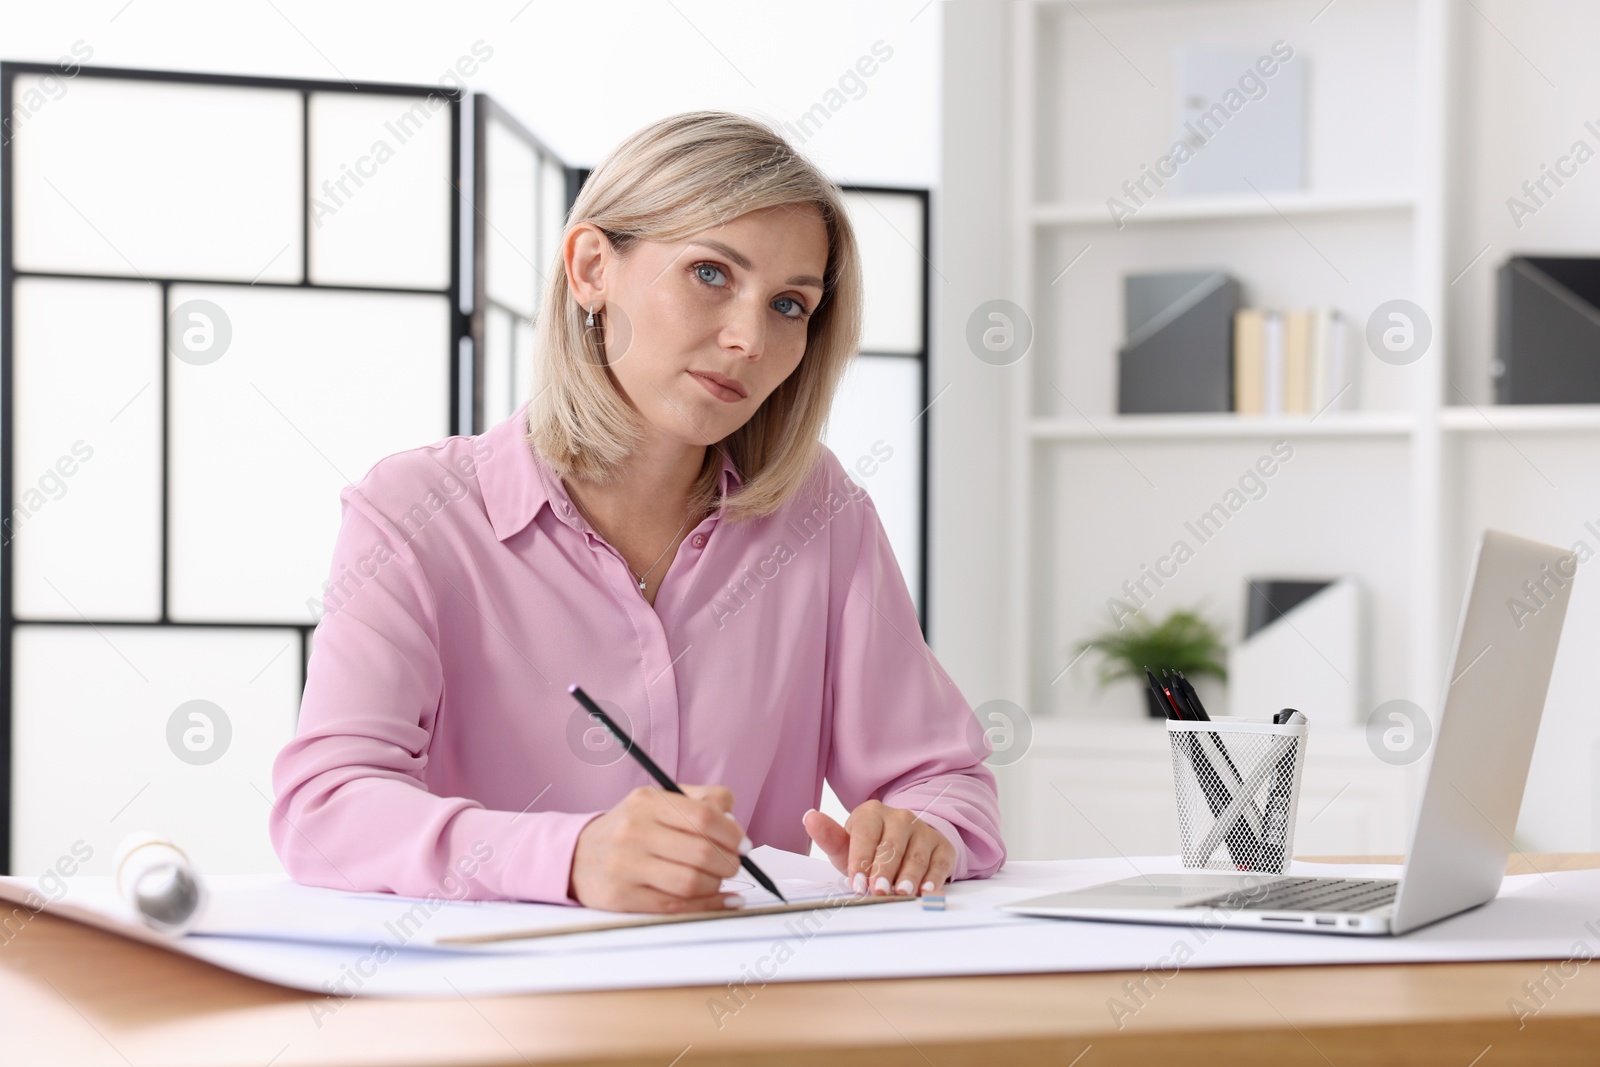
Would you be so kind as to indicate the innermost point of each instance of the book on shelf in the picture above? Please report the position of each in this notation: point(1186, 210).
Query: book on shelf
point(1296, 362)
point(1249, 343)
point(1272, 354)
point(1329, 383)
point(1288, 363)
point(1547, 330)
point(1178, 351)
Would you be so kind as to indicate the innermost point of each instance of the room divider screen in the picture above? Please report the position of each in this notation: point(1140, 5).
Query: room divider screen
point(880, 419)
point(224, 299)
point(521, 192)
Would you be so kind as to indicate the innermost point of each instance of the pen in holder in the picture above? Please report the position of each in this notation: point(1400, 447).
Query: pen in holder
point(1237, 782)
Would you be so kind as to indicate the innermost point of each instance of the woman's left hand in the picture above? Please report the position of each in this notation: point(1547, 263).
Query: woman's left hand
point(884, 850)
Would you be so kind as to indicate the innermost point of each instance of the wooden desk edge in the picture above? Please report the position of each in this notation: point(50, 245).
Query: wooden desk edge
point(79, 1006)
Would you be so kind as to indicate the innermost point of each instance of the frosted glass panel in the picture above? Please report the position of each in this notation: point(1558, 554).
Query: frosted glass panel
point(511, 238)
point(888, 228)
point(91, 713)
point(312, 389)
point(522, 362)
point(497, 328)
point(86, 468)
point(159, 180)
point(380, 189)
point(871, 430)
point(552, 212)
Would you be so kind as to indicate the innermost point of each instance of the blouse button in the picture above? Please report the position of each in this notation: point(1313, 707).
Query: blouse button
point(698, 540)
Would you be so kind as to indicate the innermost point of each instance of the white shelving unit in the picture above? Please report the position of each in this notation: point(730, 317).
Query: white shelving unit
point(1540, 418)
point(1221, 425)
point(1223, 207)
point(1392, 491)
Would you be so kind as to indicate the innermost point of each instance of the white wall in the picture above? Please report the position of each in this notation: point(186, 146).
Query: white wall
point(581, 75)
point(968, 504)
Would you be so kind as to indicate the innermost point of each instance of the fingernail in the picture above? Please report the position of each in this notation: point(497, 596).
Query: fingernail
point(859, 882)
point(808, 812)
point(744, 844)
point(905, 888)
point(881, 885)
point(927, 887)
point(733, 900)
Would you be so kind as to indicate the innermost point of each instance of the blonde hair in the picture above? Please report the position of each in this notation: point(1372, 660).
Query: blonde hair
point(671, 179)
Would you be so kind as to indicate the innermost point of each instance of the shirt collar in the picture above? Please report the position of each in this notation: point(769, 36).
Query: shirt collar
point(517, 482)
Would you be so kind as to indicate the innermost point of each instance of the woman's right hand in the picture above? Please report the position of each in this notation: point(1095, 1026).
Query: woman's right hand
point(660, 852)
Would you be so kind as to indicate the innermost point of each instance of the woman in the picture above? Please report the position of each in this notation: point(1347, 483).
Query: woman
point(661, 525)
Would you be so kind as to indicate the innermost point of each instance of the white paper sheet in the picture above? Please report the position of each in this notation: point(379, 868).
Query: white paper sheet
point(270, 907)
point(1536, 917)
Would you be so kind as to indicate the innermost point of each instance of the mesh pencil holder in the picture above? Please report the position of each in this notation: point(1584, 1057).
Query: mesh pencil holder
point(1238, 790)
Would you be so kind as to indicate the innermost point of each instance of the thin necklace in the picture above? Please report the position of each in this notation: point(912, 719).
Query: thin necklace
point(659, 558)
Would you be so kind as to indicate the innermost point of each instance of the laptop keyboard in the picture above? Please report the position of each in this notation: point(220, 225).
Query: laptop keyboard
point(1307, 894)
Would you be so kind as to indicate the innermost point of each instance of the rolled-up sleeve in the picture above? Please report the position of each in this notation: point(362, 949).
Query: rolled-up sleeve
point(901, 732)
point(352, 809)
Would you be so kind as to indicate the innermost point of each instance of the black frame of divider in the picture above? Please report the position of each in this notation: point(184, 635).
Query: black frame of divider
point(925, 415)
point(8, 274)
point(484, 109)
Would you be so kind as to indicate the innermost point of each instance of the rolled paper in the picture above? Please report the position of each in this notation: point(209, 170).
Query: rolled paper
point(159, 883)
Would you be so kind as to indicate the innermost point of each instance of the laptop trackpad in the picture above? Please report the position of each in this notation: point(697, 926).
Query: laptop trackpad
point(1150, 891)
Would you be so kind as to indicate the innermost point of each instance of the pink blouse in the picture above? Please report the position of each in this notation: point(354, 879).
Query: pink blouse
point(438, 747)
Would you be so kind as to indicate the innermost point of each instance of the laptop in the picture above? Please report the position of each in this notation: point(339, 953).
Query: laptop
point(1494, 694)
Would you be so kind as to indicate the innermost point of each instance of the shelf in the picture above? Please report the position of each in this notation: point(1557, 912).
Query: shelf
point(1176, 209)
point(1135, 733)
point(1222, 425)
point(1492, 418)
point(1487, 418)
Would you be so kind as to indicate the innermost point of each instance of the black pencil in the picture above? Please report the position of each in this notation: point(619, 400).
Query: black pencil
point(660, 776)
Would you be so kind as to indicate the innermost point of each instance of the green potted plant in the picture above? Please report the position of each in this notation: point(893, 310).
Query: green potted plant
point(1183, 641)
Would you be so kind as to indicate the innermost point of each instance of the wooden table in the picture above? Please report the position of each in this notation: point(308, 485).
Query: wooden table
point(70, 995)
